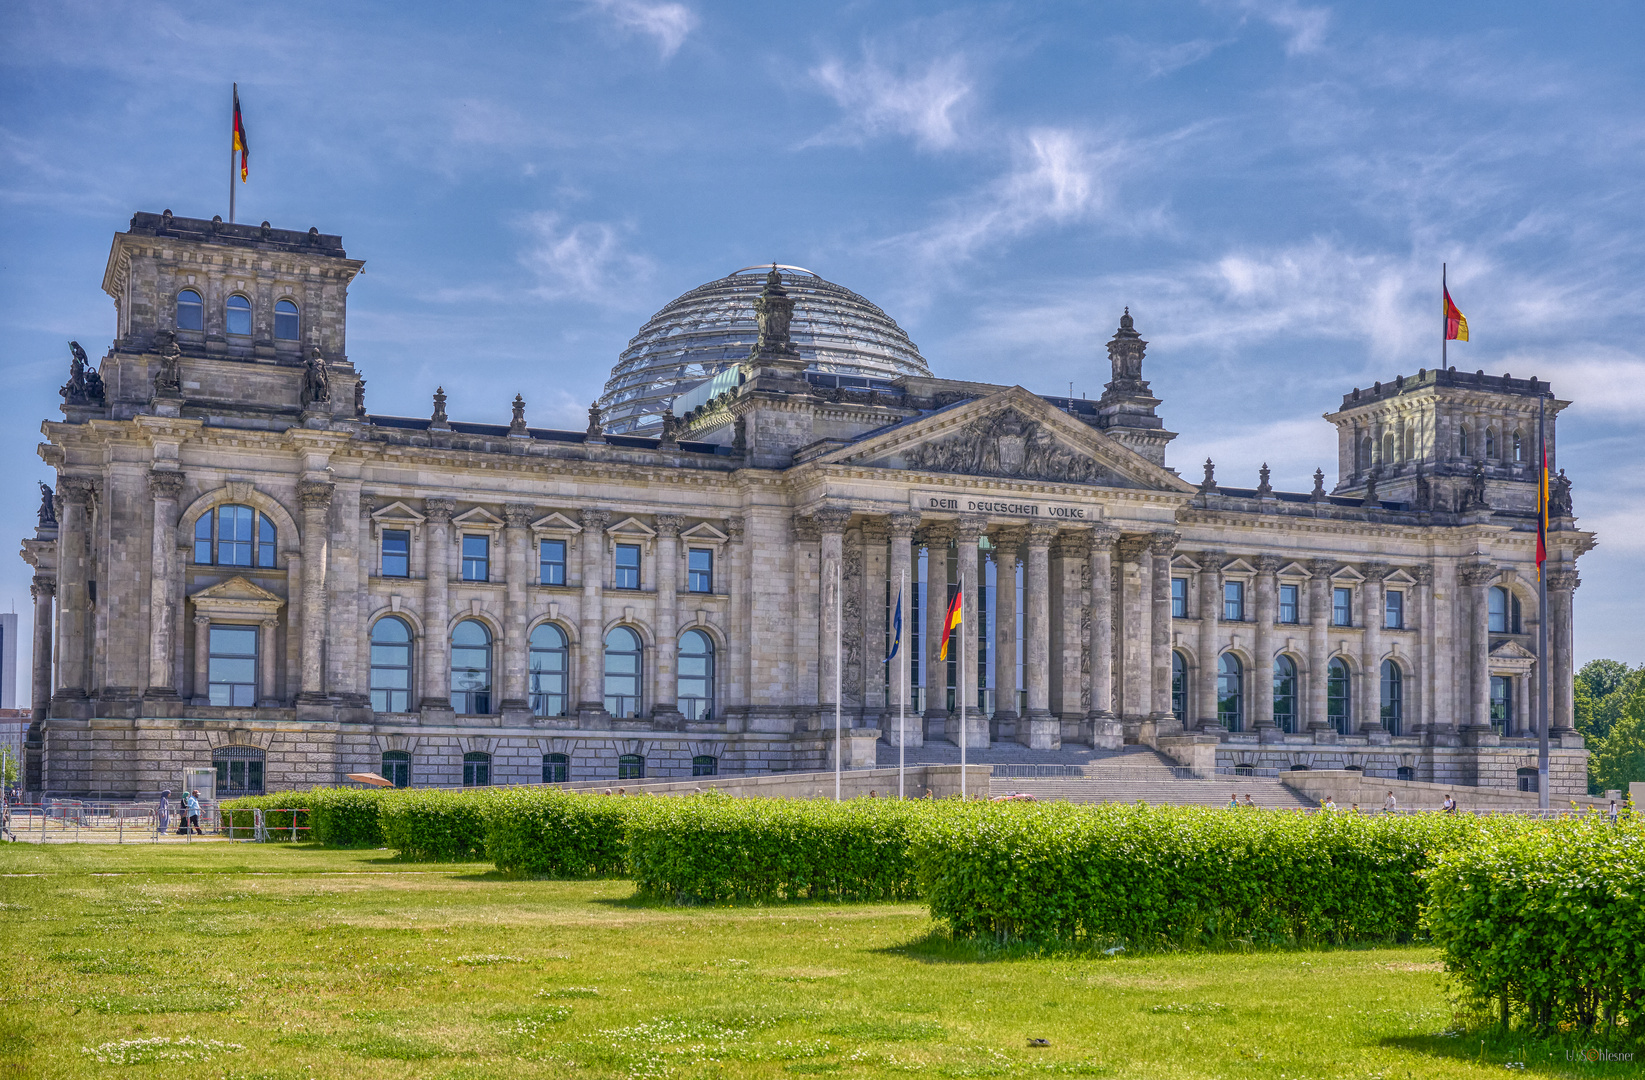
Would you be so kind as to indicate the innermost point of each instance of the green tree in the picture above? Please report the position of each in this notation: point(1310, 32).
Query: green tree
point(1601, 678)
point(1619, 758)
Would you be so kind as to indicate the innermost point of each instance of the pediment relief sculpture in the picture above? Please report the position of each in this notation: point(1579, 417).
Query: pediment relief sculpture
point(1010, 444)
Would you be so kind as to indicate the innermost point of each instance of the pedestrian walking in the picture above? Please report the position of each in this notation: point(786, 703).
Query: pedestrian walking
point(1389, 805)
point(1233, 801)
point(162, 813)
point(1613, 811)
point(1248, 801)
point(191, 813)
point(1328, 804)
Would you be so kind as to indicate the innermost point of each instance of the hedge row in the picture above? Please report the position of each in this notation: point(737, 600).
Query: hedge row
point(1185, 876)
point(335, 817)
point(1548, 923)
point(437, 826)
point(713, 848)
point(546, 832)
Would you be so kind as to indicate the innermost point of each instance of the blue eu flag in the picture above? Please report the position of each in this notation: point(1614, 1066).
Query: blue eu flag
point(896, 630)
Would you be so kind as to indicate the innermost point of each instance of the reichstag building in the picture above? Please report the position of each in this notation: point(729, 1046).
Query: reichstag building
point(240, 566)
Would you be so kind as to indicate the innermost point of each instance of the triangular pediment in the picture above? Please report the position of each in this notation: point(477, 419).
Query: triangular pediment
point(556, 522)
point(1400, 577)
point(1183, 562)
point(1512, 650)
point(1347, 573)
point(477, 518)
point(1294, 570)
point(704, 533)
point(1238, 566)
point(397, 513)
point(632, 527)
point(1012, 435)
point(235, 588)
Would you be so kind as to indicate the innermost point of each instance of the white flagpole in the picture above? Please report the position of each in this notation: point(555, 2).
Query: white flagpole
point(959, 684)
point(839, 746)
point(902, 700)
point(231, 156)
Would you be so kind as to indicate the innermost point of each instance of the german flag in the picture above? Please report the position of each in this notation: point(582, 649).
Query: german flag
point(1542, 514)
point(953, 619)
point(241, 146)
point(1456, 325)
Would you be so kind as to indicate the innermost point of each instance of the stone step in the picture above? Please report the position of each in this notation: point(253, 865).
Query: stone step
point(1266, 792)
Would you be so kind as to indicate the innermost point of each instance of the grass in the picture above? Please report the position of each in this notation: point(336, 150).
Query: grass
point(248, 961)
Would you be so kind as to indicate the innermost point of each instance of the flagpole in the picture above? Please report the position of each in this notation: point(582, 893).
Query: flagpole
point(959, 685)
point(231, 163)
point(1545, 671)
point(1444, 320)
point(902, 701)
point(839, 746)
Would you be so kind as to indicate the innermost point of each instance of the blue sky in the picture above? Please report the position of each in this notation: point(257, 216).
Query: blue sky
point(1271, 185)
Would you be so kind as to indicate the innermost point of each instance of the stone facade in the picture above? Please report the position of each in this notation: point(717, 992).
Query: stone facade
point(239, 563)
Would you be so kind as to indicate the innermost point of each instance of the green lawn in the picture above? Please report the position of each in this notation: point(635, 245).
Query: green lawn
point(273, 961)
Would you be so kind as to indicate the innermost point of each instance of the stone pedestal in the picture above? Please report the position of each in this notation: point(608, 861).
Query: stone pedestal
point(911, 727)
point(976, 731)
point(1107, 733)
point(1039, 734)
point(858, 745)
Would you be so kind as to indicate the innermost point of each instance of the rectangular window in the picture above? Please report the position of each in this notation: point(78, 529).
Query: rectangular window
point(239, 776)
point(396, 553)
point(1233, 601)
point(551, 562)
point(231, 668)
point(700, 570)
point(1395, 614)
point(1288, 604)
point(476, 557)
point(1179, 598)
point(1342, 607)
point(628, 567)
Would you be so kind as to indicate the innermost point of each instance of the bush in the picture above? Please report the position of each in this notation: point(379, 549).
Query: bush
point(706, 848)
point(546, 832)
point(1549, 922)
point(239, 821)
point(436, 826)
point(1188, 876)
point(347, 817)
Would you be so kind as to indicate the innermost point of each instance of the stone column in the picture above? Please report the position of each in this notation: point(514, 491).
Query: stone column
point(1319, 648)
point(1477, 579)
point(266, 637)
point(1521, 717)
point(1210, 611)
point(164, 487)
point(436, 673)
point(515, 697)
point(73, 559)
point(968, 534)
point(1162, 547)
point(1007, 542)
point(804, 605)
point(1104, 730)
point(875, 598)
point(1262, 663)
point(736, 685)
point(935, 602)
point(666, 692)
point(202, 660)
point(1370, 654)
point(315, 499)
point(901, 575)
point(591, 619)
point(43, 589)
point(1136, 692)
point(1424, 597)
point(831, 522)
point(1561, 705)
point(1070, 557)
point(1037, 627)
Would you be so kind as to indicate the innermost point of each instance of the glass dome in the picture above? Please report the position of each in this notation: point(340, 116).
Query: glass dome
point(711, 329)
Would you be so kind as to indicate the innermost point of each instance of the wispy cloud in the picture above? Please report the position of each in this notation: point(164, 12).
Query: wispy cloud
point(584, 261)
point(668, 24)
point(927, 104)
point(1161, 60)
point(1304, 27)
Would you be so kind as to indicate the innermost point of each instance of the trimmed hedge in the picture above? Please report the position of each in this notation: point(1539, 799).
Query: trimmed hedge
point(238, 813)
point(429, 825)
point(347, 817)
point(708, 848)
point(546, 832)
point(1549, 923)
point(1186, 876)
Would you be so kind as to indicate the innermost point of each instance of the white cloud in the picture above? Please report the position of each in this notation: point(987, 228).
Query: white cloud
point(1304, 27)
point(926, 105)
point(668, 23)
point(583, 261)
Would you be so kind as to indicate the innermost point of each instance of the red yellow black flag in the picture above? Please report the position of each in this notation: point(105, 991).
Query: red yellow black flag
point(240, 144)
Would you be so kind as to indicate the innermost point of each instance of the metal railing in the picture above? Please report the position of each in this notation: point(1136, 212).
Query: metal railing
point(236, 823)
point(86, 821)
point(1245, 770)
point(1140, 773)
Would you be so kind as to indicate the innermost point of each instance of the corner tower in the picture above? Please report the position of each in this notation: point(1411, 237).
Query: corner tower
point(1126, 410)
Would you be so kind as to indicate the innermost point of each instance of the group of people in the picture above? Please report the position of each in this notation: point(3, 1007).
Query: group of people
point(187, 822)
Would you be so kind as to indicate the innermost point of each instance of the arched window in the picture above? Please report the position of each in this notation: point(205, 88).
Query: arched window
point(1513, 614)
point(476, 770)
point(556, 768)
point(1410, 444)
point(1285, 694)
point(1365, 453)
point(237, 316)
point(1299, 768)
point(1462, 441)
point(548, 671)
point(1179, 686)
point(696, 681)
point(397, 768)
point(622, 672)
point(1338, 710)
point(1245, 768)
point(239, 770)
point(631, 767)
point(1519, 447)
point(1230, 700)
point(391, 666)
point(233, 535)
point(191, 313)
point(1498, 610)
point(1388, 448)
point(1490, 443)
point(471, 668)
point(285, 321)
point(1393, 697)
point(705, 765)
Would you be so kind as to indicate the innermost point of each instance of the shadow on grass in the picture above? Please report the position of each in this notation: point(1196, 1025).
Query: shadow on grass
point(1494, 1048)
point(938, 947)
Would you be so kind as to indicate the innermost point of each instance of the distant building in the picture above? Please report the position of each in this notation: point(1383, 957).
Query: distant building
point(241, 567)
point(8, 660)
